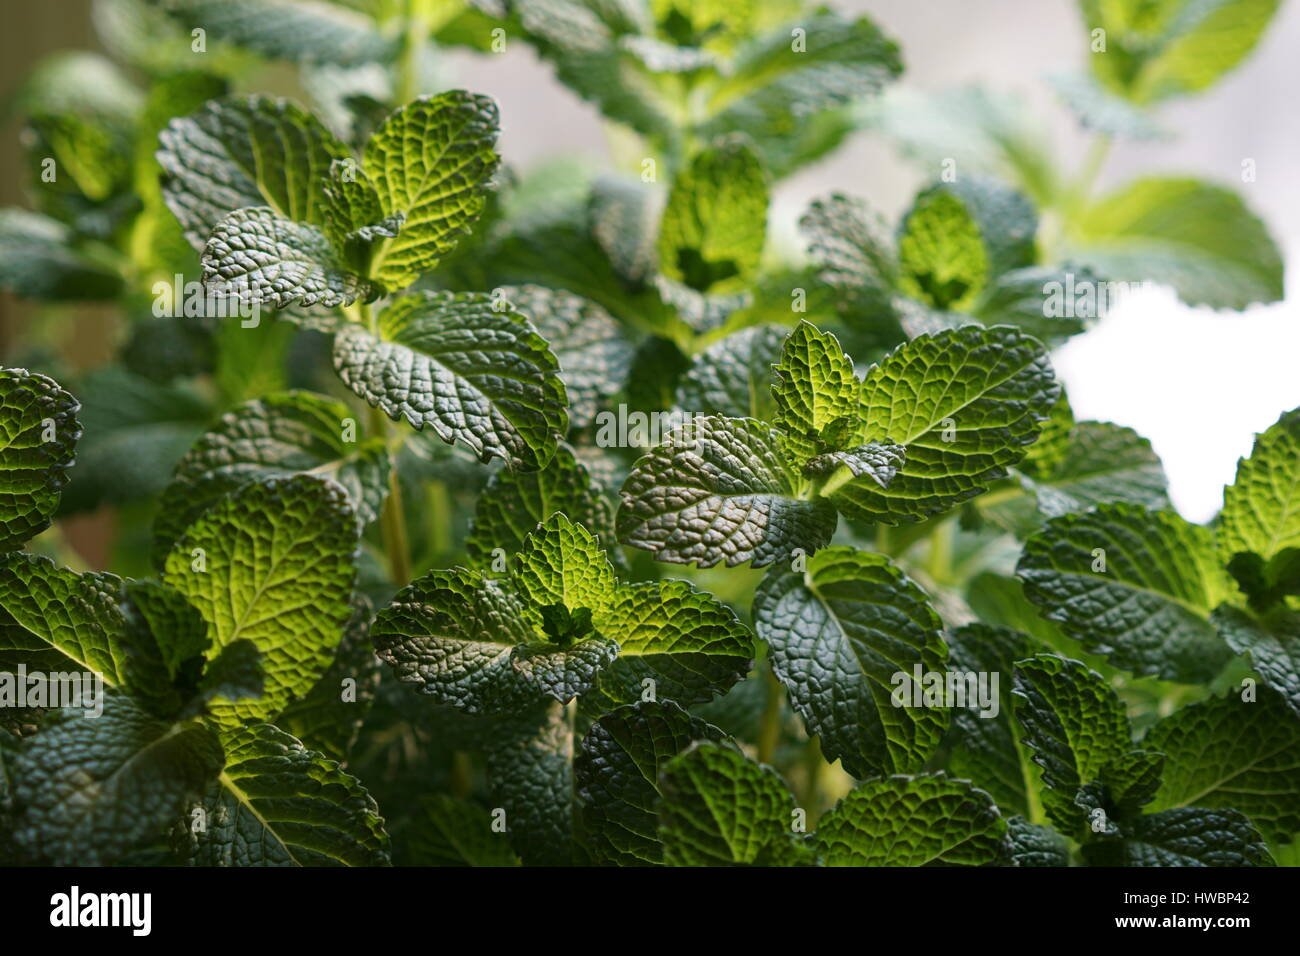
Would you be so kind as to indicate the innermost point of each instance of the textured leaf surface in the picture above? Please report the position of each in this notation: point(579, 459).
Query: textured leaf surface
point(986, 390)
point(475, 375)
point(278, 572)
point(279, 804)
point(594, 355)
point(1226, 753)
point(261, 258)
point(1075, 726)
point(287, 29)
point(530, 770)
point(852, 249)
point(1188, 836)
point(561, 563)
point(719, 808)
point(719, 489)
point(431, 161)
point(1200, 239)
point(451, 832)
point(838, 634)
point(617, 777)
point(38, 261)
point(87, 792)
point(1273, 645)
point(1261, 508)
point(38, 438)
point(245, 151)
point(1148, 611)
point(733, 376)
point(283, 434)
point(1032, 845)
point(712, 232)
point(816, 392)
point(920, 820)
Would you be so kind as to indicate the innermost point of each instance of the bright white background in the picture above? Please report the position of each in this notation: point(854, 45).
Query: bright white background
point(1197, 383)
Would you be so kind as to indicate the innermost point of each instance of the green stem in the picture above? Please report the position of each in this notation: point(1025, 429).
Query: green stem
point(813, 762)
point(392, 520)
point(462, 775)
point(769, 722)
point(938, 562)
point(439, 504)
point(413, 37)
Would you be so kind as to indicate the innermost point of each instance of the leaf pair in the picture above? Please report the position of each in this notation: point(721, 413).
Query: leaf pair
point(927, 428)
point(558, 625)
point(284, 216)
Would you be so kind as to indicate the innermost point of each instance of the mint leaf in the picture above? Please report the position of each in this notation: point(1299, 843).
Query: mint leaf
point(38, 437)
point(1102, 110)
point(1188, 836)
point(277, 803)
point(1176, 48)
point(617, 778)
point(593, 353)
point(451, 832)
point(816, 391)
point(721, 809)
point(958, 236)
point(474, 374)
point(514, 502)
point(561, 563)
point(1035, 300)
point(713, 229)
point(1271, 642)
point(1225, 753)
point(261, 258)
point(623, 220)
point(87, 792)
point(853, 251)
point(1135, 585)
point(1199, 238)
point(39, 261)
point(965, 404)
point(1261, 508)
point(921, 820)
point(430, 161)
point(719, 489)
point(733, 376)
point(287, 29)
point(985, 746)
point(1032, 845)
point(1075, 727)
point(245, 151)
point(530, 772)
point(852, 621)
point(271, 564)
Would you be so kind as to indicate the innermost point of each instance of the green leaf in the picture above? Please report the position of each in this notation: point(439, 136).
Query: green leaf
point(719, 808)
point(1075, 727)
point(816, 392)
point(172, 624)
point(593, 353)
point(617, 778)
point(451, 832)
point(561, 563)
point(958, 237)
point(1261, 508)
point(1199, 238)
point(1103, 111)
point(922, 820)
point(87, 792)
point(713, 229)
point(1032, 845)
point(431, 161)
point(778, 93)
point(719, 489)
point(1135, 585)
point(623, 219)
point(277, 803)
point(1175, 48)
point(288, 29)
point(1185, 837)
point(452, 634)
point(354, 219)
point(329, 717)
point(852, 250)
point(514, 502)
point(283, 434)
point(1037, 300)
point(38, 438)
point(1226, 753)
point(1272, 643)
point(530, 772)
point(261, 258)
point(272, 564)
point(245, 151)
point(474, 374)
point(985, 745)
point(733, 376)
point(839, 634)
point(38, 261)
point(965, 404)
point(674, 640)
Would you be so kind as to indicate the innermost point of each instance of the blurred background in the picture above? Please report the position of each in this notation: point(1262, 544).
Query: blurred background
point(1199, 384)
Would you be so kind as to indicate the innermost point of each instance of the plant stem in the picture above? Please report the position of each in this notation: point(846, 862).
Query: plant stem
point(938, 562)
point(413, 37)
point(769, 722)
point(392, 520)
point(462, 775)
point(811, 797)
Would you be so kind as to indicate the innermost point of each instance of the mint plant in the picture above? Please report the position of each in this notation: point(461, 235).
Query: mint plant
point(468, 515)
